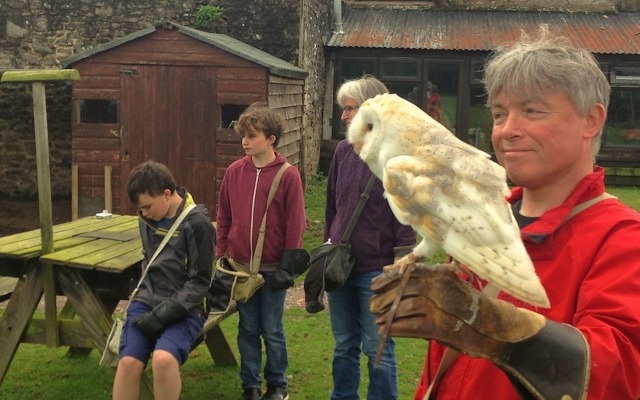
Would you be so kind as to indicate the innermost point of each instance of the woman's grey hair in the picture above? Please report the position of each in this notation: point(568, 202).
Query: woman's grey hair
point(537, 65)
point(360, 89)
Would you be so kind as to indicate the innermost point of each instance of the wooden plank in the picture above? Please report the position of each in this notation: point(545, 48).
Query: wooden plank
point(215, 340)
point(40, 75)
point(72, 333)
point(75, 226)
point(93, 314)
point(19, 237)
point(219, 347)
point(108, 254)
point(87, 305)
point(85, 251)
point(17, 314)
point(32, 239)
point(121, 263)
point(123, 232)
point(34, 251)
point(125, 236)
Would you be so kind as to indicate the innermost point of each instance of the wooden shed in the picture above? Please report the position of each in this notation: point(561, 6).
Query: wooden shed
point(170, 93)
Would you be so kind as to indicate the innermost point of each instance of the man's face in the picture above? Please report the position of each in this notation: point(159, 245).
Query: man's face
point(255, 144)
point(154, 207)
point(540, 140)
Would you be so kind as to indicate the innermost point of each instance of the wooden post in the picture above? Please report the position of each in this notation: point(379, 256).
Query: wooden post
point(37, 79)
point(44, 201)
point(74, 192)
point(108, 200)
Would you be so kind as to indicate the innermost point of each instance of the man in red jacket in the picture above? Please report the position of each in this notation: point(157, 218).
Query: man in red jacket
point(549, 103)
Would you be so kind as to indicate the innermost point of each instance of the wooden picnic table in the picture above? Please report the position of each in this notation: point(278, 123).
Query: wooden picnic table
point(96, 263)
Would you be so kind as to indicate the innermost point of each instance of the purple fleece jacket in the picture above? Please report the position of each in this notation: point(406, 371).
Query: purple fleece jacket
point(377, 231)
point(243, 193)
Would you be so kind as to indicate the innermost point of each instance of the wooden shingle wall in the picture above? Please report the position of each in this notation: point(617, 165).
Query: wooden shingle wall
point(286, 96)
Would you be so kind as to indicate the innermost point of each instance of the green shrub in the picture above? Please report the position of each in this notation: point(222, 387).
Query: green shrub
point(206, 14)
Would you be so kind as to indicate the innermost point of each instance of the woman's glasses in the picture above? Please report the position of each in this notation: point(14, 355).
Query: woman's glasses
point(348, 109)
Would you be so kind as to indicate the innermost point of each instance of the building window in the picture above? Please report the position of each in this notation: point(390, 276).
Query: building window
point(480, 121)
point(355, 68)
point(229, 114)
point(98, 111)
point(400, 68)
point(623, 121)
point(477, 72)
point(625, 75)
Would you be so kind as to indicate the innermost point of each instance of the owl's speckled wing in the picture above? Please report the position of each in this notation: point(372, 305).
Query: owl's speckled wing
point(451, 193)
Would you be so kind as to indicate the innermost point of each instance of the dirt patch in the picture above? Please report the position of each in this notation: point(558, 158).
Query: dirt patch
point(19, 215)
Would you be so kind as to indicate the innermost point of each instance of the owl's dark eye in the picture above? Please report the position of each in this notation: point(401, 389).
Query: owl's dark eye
point(370, 126)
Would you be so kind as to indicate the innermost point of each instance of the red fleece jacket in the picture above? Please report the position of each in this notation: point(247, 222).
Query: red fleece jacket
point(242, 202)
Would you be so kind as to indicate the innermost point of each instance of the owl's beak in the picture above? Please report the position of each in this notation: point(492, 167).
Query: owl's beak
point(357, 147)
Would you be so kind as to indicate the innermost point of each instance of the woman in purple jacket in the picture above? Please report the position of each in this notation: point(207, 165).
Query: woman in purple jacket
point(373, 241)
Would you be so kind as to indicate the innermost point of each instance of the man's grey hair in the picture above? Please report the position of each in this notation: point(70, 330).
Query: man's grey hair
point(537, 65)
point(360, 89)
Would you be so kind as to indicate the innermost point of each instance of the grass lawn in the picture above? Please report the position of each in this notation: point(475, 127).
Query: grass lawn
point(38, 372)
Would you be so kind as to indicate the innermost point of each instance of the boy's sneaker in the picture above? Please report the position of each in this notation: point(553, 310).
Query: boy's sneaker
point(275, 393)
point(251, 393)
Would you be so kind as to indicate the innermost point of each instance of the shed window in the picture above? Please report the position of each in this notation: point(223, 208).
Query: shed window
point(103, 111)
point(230, 114)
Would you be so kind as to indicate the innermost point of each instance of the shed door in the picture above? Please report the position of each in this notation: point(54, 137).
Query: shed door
point(169, 115)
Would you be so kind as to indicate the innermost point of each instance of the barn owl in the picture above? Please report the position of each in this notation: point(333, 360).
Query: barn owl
point(451, 193)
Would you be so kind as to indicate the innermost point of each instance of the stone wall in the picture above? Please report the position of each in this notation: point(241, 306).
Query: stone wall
point(316, 25)
point(36, 34)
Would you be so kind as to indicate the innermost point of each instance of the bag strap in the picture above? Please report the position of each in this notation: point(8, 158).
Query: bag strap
point(257, 255)
point(449, 354)
point(165, 240)
point(583, 206)
point(358, 210)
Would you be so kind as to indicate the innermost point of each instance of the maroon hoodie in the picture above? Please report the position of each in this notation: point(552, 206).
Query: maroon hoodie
point(242, 203)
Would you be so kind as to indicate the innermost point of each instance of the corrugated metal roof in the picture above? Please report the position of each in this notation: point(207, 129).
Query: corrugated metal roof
point(605, 33)
point(275, 65)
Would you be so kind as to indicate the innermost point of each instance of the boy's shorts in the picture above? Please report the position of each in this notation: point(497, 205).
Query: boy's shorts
point(177, 338)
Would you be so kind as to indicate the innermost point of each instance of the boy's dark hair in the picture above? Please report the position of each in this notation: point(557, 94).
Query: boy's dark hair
point(151, 178)
point(259, 118)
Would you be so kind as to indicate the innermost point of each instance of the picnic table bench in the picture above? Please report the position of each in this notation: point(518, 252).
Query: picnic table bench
point(95, 264)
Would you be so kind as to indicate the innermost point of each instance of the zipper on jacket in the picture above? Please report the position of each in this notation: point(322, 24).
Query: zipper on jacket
point(253, 209)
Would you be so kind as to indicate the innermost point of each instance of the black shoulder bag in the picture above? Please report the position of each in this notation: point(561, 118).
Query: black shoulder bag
point(331, 263)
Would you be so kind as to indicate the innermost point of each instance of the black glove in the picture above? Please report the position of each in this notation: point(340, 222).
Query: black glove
point(292, 264)
point(153, 322)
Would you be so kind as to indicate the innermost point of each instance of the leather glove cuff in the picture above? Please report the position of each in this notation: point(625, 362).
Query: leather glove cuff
point(553, 364)
point(292, 264)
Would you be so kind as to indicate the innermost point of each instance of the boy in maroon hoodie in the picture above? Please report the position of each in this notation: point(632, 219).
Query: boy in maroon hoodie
point(241, 207)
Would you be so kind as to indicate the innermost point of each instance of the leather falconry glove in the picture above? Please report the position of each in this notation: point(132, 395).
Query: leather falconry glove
point(544, 359)
point(153, 322)
point(292, 264)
